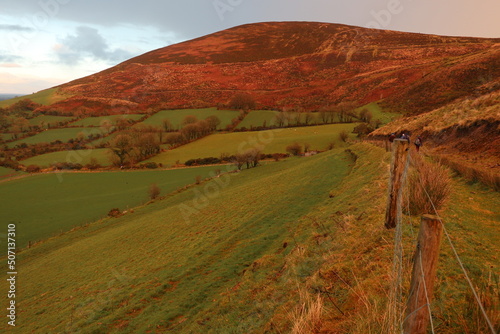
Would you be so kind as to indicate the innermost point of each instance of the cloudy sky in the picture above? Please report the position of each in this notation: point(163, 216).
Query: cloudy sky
point(48, 42)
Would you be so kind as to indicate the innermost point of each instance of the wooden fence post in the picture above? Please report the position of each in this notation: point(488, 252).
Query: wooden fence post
point(423, 275)
point(399, 166)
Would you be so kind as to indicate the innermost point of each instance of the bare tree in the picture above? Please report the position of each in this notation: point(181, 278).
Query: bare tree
point(189, 119)
point(213, 122)
point(121, 147)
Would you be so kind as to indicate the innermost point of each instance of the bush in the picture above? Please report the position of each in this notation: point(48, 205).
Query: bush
point(427, 180)
point(114, 213)
point(294, 149)
point(154, 191)
point(343, 135)
point(32, 169)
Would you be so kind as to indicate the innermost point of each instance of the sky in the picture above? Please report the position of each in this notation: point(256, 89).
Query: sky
point(44, 43)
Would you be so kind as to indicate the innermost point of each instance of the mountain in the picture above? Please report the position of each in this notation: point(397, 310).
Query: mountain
point(290, 64)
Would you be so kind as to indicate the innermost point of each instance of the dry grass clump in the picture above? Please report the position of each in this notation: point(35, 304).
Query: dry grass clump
point(429, 186)
point(306, 318)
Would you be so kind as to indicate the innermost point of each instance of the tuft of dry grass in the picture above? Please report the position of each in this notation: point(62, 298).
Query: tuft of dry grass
point(427, 180)
point(306, 318)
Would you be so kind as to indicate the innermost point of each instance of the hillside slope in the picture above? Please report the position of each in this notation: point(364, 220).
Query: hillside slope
point(236, 255)
point(290, 64)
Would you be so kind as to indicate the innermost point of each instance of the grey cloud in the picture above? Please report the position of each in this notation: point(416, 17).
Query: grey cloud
point(9, 57)
point(88, 42)
point(15, 27)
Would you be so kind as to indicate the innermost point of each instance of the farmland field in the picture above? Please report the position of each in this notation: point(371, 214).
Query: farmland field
point(82, 157)
point(257, 118)
point(176, 116)
point(189, 262)
point(272, 141)
point(7, 172)
point(63, 135)
point(46, 120)
point(46, 204)
point(98, 121)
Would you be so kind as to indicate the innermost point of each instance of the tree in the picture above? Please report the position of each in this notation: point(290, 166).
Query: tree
point(167, 125)
point(174, 138)
point(294, 149)
point(307, 147)
point(213, 122)
point(365, 115)
point(308, 117)
point(343, 135)
point(242, 101)
point(281, 119)
point(154, 191)
point(189, 119)
point(122, 123)
point(121, 146)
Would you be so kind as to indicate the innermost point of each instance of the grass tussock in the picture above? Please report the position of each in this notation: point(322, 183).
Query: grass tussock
point(488, 177)
point(306, 318)
point(429, 186)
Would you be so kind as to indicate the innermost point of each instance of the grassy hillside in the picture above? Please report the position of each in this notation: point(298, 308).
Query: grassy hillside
point(155, 268)
point(272, 141)
point(46, 120)
point(99, 121)
point(237, 256)
point(63, 135)
point(44, 97)
point(82, 157)
point(47, 204)
point(177, 116)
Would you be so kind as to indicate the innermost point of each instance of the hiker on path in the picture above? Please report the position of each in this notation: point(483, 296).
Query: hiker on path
point(418, 143)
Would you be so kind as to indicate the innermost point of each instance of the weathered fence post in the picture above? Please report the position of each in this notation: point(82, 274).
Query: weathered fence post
point(423, 275)
point(399, 166)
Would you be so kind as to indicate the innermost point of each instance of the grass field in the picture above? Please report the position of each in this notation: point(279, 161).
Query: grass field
point(176, 116)
point(44, 206)
point(249, 254)
point(272, 141)
point(82, 157)
point(64, 135)
point(168, 268)
point(98, 121)
point(45, 97)
point(378, 113)
point(7, 172)
point(46, 120)
point(257, 118)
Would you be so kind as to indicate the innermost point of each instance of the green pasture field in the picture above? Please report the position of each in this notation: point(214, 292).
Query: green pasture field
point(271, 141)
point(247, 253)
point(257, 118)
point(7, 172)
point(82, 157)
point(177, 116)
point(48, 119)
point(44, 97)
point(378, 113)
point(98, 121)
point(46, 204)
point(174, 261)
point(48, 136)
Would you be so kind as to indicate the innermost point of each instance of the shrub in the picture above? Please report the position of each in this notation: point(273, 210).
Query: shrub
point(154, 191)
point(32, 169)
point(114, 213)
point(426, 180)
point(343, 135)
point(294, 149)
